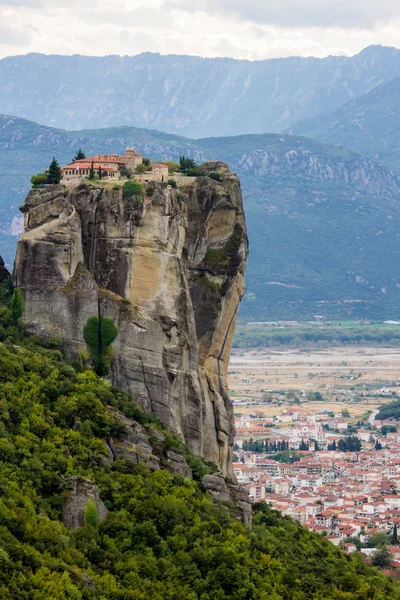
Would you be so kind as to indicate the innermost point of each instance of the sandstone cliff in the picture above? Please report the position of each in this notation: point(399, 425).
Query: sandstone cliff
point(169, 273)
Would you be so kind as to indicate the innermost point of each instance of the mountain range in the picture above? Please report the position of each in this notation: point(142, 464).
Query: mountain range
point(188, 95)
point(323, 222)
point(369, 125)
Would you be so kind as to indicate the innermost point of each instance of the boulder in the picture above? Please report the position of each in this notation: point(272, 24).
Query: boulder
point(80, 491)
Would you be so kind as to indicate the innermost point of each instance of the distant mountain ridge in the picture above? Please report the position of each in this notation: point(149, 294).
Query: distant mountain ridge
point(323, 222)
point(369, 125)
point(189, 95)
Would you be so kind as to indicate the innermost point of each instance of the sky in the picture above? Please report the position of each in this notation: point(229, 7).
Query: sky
point(254, 30)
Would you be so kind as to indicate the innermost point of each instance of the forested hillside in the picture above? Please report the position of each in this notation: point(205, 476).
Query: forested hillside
point(323, 222)
point(163, 537)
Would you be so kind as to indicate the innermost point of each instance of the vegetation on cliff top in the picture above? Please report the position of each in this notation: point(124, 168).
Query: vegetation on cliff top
point(163, 538)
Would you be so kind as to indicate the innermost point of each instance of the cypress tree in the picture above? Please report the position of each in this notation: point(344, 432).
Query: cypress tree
point(99, 334)
point(100, 173)
point(54, 172)
point(17, 305)
point(91, 172)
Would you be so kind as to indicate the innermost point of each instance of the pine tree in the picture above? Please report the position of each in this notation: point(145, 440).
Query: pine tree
point(91, 172)
point(79, 155)
point(54, 172)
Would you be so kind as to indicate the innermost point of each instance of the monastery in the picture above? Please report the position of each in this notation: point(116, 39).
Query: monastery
point(111, 165)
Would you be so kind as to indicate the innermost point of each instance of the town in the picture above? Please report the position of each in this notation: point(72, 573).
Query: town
point(329, 460)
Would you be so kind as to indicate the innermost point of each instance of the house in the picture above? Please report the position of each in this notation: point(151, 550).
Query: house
point(160, 169)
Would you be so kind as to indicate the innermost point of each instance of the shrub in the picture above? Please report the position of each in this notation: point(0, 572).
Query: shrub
point(194, 172)
point(116, 187)
point(172, 183)
point(216, 175)
point(131, 189)
point(180, 196)
point(39, 179)
point(90, 514)
point(149, 191)
point(126, 173)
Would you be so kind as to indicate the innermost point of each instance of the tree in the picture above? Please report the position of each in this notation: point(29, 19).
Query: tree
point(79, 155)
point(345, 413)
point(395, 538)
point(39, 179)
point(91, 172)
point(54, 172)
point(90, 514)
point(382, 558)
point(17, 305)
point(140, 169)
point(99, 333)
point(379, 539)
point(100, 173)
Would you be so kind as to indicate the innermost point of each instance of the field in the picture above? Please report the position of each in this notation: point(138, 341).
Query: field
point(347, 375)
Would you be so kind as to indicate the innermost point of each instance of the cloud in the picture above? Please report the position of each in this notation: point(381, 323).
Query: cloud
point(254, 31)
point(356, 14)
point(14, 35)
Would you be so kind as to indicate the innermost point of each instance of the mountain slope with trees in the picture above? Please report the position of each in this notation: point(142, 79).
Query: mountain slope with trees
point(323, 222)
point(163, 537)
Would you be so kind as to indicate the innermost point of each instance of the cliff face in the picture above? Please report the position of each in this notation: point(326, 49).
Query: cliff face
point(170, 276)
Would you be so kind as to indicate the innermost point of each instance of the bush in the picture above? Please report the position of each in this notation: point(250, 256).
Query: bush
point(194, 172)
point(216, 175)
point(172, 183)
point(39, 179)
point(149, 191)
point(126, 173)
point(131, 189)
point(90, 514)
point(116, 187)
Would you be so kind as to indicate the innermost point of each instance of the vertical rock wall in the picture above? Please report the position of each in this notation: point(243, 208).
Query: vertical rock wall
point(170, 275)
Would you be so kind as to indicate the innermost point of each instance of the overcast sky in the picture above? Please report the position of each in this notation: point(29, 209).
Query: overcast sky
point(252, 29)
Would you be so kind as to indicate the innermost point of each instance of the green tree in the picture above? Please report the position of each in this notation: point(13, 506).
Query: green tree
point(39, 179)
point(90, 514)
point(382, 558)
point(379, 539)
point(100, 173)
point(395, 537)
point(345, 413)
point(79, 155)
point(17, 305)
point(140, 169)
point(91, 172)
point(54, 172)
point(99, 334)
